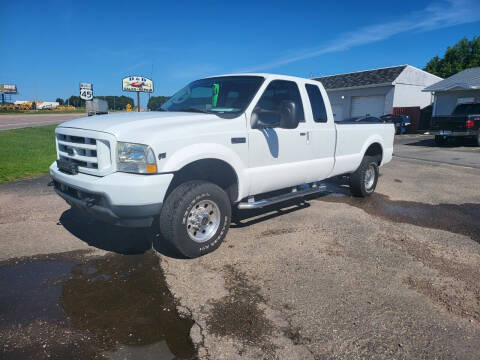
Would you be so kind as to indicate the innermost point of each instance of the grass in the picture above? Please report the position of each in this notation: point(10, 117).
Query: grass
point(27, 152)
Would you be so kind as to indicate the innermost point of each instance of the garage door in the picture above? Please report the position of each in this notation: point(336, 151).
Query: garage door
point(363, 105)
point(337, 112)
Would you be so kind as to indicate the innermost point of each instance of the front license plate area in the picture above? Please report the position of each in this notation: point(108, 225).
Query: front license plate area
point(67, 167)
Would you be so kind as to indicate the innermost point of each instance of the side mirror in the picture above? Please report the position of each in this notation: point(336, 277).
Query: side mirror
point(288, 115)
point(262, 118)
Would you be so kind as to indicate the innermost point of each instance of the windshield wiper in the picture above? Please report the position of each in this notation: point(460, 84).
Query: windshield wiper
point(192, 109)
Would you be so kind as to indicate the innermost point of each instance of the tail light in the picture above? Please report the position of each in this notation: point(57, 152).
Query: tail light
point(469, 124)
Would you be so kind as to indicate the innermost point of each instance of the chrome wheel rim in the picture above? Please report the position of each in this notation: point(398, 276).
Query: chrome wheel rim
point(203, 221)
point(369, 177)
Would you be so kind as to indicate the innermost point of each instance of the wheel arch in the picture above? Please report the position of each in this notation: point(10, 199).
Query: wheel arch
point(374, 147)
point(213, 170)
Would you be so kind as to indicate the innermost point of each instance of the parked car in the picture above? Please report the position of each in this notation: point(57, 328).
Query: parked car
point(464, 122)
point(401, 122)
point(219, 142)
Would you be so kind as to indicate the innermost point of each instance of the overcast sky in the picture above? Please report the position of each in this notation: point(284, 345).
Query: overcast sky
point(47, 48)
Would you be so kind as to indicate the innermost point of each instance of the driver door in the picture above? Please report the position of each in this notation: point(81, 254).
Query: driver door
point(278, 157)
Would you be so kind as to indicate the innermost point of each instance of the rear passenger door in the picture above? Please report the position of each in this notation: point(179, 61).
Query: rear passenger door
point(322, 134)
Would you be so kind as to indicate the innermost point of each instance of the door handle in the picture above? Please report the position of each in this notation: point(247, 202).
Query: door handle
point(303, 134)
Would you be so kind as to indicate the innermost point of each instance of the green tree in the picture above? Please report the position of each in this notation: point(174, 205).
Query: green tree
point(156, 101)
point(76, 101)
point(463, 55)
point(60, 101)
point(116, 102)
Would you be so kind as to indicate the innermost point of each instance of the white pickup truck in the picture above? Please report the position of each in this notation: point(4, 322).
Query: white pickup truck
point(245, 140)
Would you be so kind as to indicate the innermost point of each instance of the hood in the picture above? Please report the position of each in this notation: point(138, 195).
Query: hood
point(125, 125)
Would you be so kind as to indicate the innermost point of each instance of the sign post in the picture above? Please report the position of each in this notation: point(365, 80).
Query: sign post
point(137, 84)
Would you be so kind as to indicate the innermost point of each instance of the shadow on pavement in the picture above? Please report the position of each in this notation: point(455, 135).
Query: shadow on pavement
point(118, 239)
point(450, 144)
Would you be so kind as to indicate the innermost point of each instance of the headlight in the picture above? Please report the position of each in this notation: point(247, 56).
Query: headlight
point(135, 158)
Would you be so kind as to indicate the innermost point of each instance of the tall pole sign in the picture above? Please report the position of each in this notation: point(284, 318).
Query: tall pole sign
point(137, 84)
point(86, 91)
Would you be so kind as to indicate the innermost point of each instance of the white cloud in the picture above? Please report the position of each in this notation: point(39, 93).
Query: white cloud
point(433, 17)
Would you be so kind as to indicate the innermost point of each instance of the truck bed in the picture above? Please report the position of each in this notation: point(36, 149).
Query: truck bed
point(352, 137)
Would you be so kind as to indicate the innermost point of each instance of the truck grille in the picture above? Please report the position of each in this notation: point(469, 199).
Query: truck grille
point(92, 154)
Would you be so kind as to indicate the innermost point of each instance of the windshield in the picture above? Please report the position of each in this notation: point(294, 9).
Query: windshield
point(467, 109)
point(222, 95)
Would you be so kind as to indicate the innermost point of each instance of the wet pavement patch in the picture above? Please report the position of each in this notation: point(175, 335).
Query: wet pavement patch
point(79, 307)
point(461, 219)
point(238, 314)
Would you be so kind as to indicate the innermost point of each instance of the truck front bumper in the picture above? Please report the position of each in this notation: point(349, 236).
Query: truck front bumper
point(119, 198)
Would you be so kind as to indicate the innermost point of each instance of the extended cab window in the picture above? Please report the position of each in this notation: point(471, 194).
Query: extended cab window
point(278, 92)
point(316, 100)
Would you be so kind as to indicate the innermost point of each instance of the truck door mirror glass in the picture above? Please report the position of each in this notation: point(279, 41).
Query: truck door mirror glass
point(288, 115)
point(263, 118)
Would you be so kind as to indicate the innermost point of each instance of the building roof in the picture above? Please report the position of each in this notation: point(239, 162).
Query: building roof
point(362, 78)
point(466, 79)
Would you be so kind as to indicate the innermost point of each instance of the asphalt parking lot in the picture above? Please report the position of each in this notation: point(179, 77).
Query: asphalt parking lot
point(394, 276)
point(18, 121)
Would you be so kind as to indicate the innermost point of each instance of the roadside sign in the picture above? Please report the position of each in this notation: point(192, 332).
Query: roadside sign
point(86, 91)
point(8, 89)
point(137, 84)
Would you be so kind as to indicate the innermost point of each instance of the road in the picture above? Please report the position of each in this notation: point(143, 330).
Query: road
point(15, 121)
point(422, 147)
point(391, 276)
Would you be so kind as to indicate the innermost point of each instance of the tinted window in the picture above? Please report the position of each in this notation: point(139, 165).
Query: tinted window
point(467, 109)
point(279, 91)
point(225, 95)
point(316, 100)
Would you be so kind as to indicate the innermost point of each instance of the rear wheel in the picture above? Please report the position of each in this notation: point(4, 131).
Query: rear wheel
point(195, 218)
point(364, 180)
point(441, 140)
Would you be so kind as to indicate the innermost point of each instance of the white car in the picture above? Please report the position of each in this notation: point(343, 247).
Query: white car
point(219, 142)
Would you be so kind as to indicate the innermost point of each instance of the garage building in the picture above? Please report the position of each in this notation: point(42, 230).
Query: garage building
point(463, 87)
point(396, 89)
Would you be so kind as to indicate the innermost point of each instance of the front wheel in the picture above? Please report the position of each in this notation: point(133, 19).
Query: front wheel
point(364, 180)
point(195, 218)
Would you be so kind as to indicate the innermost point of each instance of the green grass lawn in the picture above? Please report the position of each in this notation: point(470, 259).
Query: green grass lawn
point(26, 152)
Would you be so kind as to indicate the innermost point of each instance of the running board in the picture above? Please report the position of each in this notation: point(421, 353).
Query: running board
point(252, 204)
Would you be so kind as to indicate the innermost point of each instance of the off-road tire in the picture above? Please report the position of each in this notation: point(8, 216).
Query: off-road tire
point(440, 140)
point(358, 181)
point(177, 208)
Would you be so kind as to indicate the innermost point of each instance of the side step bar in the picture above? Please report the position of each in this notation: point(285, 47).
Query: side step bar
point(295, 193)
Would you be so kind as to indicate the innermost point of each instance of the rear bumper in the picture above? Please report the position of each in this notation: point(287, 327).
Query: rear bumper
point(455, 133)
point(120, 199)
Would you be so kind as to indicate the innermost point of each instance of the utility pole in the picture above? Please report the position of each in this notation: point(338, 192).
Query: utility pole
point(138, 100)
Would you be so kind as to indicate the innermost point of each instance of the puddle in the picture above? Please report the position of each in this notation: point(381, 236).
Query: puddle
point(111, 307)
point(238, 314)
point(461, 219)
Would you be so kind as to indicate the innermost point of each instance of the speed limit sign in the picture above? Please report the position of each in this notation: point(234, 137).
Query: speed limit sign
point(86, 91)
